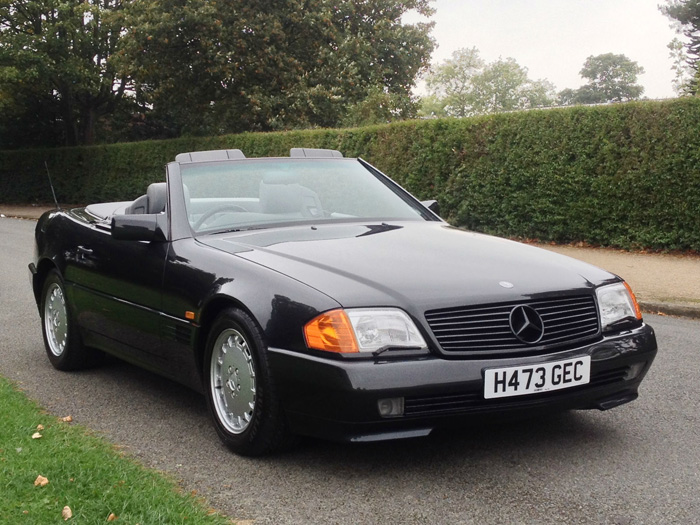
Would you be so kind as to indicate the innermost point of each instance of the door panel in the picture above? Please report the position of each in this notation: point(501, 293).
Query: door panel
point(116, 288)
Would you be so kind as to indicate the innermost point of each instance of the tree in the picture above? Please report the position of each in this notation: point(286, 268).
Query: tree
point(432, 106)
point(683, 73)
point(85, 70)
point(611, 78)
point(566, 97)
point(379, 107)
point(451, 83)
point(270, 64)
point(465, 85)
point(504, 86)
point(55, 67)
point(687, 15)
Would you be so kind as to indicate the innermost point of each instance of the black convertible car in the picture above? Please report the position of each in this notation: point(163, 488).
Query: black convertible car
point(311, 295)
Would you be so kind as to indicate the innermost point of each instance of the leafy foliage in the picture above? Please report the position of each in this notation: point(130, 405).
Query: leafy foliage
point(687, 14)
point(231, 66)
point(682, 71)
point(55, 67)
point(505, 86)
point(451, 83)
point(465, 85)
point(85, 71)
point(379, 107)
point(625, 175)
point(611, 78)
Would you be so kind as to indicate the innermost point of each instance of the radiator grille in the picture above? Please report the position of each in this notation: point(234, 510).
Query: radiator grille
point(487, 327)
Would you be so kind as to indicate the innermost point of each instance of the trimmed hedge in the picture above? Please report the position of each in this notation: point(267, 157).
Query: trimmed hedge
point(625, 175)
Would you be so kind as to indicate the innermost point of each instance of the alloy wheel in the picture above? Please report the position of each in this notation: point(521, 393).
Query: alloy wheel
point(232, 380)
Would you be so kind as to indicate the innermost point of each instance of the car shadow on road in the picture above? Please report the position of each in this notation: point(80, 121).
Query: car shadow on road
point(162, 410)
point(554, 435)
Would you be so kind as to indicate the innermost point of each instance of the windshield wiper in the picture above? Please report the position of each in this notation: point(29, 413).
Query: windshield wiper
point(242, 229)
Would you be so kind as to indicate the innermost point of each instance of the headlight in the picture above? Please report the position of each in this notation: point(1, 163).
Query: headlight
point(616, 303)
point(362, 330)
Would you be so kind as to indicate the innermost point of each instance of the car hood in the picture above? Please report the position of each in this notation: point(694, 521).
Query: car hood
point(415, 265)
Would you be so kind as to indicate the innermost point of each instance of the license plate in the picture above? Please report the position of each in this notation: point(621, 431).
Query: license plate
point(533, 379)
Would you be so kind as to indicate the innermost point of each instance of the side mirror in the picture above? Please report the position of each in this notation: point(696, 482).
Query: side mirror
point(137, 227)
point(432, 205)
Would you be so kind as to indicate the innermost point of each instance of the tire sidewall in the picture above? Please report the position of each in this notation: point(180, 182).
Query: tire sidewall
point(63, 361)
point(256, 438)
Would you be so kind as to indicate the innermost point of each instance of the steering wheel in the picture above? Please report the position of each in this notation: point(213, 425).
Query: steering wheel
point(214, 211)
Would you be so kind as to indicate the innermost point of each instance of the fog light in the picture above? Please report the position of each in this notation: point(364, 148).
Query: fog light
point(391, 407)
point(634, 371)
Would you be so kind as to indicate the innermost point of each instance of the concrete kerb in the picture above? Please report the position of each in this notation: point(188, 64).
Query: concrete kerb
point(672, 309)
point(23, 212)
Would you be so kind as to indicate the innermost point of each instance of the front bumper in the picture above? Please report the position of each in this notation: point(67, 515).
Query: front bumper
point(337, 399)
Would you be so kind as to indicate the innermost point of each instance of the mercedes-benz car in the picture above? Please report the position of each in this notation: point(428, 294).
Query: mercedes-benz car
point(312, 295)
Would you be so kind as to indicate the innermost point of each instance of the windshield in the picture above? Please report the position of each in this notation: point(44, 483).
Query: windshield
point(254, 193)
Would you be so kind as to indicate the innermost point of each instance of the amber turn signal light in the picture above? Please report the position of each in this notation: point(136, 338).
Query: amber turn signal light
point(332, 332)
point(637, 310)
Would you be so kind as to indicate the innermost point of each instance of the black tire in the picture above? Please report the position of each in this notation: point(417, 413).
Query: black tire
point(240, 391)
point(64, 346)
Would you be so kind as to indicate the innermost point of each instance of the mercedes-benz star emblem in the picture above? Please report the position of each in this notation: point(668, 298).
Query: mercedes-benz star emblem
point(526, 324)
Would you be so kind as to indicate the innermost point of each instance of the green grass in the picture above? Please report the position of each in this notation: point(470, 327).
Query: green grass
point(85, 473)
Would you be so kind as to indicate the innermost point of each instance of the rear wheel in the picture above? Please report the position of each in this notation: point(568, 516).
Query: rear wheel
point(62, 340)
point(240, 391)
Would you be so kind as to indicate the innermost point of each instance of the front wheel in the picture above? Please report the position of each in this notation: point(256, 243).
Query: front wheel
point(64, 346)
point(241, 394)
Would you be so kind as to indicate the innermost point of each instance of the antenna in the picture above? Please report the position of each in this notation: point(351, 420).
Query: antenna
point(51, 184)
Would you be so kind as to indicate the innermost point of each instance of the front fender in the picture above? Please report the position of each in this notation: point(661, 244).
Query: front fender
point(204, 280)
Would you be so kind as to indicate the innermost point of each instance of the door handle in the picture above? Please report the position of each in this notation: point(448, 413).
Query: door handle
point(82, 250)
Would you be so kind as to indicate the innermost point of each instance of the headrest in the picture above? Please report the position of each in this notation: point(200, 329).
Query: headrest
point(157, 197)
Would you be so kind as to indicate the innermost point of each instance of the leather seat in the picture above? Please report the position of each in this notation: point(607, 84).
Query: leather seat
point(153, 202)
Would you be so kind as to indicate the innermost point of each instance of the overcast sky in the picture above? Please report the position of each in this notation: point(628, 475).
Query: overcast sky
point(553, 38)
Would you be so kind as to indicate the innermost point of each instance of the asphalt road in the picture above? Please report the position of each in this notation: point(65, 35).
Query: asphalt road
point(636, 464)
